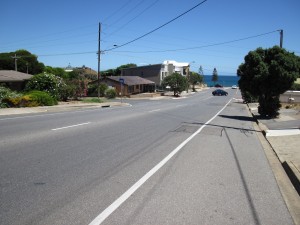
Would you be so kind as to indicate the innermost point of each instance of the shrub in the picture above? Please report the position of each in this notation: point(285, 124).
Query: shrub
point(67, 91)
point(102, 89)
point(6, 93)
point(46, 82)
point(111, 93)
point(42, 98)
point(31, 99)
point(92, 89)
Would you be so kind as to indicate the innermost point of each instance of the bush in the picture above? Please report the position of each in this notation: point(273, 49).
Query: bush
point(67, 91)
point(111, 93)
point(42, 98)
point(92, 89)
point(31, 99)
point(6, 93)
point(46, 82)
point(102, 89)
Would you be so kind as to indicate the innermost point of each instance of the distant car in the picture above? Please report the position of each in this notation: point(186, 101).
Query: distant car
point(219, 92)
point(234, 87)
point(218, 85)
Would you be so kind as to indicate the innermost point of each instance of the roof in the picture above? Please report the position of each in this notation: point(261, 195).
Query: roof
point(131, 80)
point(13, 76)
point(178, 64)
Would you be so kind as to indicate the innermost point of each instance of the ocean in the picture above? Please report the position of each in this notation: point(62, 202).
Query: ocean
point(225, 81)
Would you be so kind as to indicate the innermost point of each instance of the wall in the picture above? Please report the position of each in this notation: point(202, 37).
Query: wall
point(290, 94)
point(151, 72)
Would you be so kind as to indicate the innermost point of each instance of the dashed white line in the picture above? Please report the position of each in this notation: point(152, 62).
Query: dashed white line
point(110, 209)
point(76, 125)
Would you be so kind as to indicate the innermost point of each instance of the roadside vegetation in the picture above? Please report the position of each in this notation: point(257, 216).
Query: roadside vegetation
point(265, 74)
point(50, 84)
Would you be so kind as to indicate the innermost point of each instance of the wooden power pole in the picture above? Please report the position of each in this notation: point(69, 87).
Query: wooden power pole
point(99, 52)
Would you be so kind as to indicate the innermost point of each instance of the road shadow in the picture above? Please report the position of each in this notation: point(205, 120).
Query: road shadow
point(228, 127)
point(242, 118)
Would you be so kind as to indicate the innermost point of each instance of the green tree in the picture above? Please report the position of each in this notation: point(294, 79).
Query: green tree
point(176, 82)
point(25, 61)
point(57, 71)
point(195, 78)
point(117, 71)
point(215, 76)
point(267, 73)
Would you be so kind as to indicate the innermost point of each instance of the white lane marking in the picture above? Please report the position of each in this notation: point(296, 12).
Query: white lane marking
point(177, 98)
point(155, 110)
point(110, 209)
point(76, 125)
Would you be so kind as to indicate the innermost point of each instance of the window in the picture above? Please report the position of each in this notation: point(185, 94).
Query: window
point(130, 89)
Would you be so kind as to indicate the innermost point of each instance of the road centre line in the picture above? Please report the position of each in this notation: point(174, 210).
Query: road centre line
point(76, 125)
point(111, 208)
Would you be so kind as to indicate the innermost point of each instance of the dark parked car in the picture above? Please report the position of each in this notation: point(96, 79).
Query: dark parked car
point(219, 92)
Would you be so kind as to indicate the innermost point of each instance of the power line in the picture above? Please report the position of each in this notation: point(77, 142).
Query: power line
point(124, 25)
point(118, 10)
point(128, 12)
point(169, 50)
point(203, 46)
point(150, 32)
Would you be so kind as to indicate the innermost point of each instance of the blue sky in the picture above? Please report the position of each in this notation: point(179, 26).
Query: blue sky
point(49, 29)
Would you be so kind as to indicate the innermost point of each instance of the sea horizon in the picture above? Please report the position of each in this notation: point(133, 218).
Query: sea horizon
point(224, 80)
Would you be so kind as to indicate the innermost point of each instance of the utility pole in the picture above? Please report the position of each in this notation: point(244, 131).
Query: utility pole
point(281, 38)
point(27, 67)
point(99, 35)
point(16, 59)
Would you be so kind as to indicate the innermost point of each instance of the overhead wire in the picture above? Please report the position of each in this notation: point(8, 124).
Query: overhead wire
point(202, 46)
point(135, 17)
point(161, 26)
point(172, 50)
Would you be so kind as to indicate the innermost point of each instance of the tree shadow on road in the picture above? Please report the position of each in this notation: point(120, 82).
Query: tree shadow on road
point(243, 118)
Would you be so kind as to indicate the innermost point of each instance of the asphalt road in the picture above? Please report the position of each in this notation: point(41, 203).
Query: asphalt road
point(194, 160)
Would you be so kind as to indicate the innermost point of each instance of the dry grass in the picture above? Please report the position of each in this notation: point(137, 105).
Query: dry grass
point(290, 106)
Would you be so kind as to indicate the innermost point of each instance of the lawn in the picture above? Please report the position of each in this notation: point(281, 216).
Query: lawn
point(93, 100)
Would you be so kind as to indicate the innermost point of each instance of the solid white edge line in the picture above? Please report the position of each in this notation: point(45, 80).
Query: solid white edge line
point(110, 209)
point(76, 125)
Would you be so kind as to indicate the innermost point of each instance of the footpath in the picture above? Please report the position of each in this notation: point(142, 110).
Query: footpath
point(283, 135)
point(61, 107)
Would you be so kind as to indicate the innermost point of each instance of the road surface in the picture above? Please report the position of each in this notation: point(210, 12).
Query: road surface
point(194, 160)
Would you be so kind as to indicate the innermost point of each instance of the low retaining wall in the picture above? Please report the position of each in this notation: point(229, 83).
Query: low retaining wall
point(290, 97)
